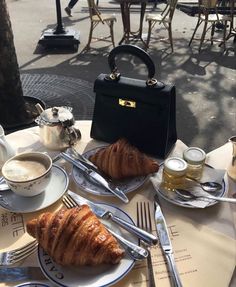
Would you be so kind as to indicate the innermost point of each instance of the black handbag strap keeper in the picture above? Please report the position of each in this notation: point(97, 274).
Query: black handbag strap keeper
point(135, 51)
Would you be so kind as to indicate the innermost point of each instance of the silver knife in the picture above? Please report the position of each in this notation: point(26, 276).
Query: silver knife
point(72, 152)
point(20, 273)
point(166, 245)
point(106, 214)
point(95, 176)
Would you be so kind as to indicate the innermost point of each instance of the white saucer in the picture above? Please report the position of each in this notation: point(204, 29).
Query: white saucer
point(56, 188)
point(34, 284)
point(211, 174)
point(88, 185)
point(103, 275)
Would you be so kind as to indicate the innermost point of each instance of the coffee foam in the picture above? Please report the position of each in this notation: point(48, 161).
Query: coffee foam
point(23, 170)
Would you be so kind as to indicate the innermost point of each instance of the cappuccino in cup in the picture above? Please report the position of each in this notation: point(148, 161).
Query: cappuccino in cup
point(28, 174)
point(24, 170)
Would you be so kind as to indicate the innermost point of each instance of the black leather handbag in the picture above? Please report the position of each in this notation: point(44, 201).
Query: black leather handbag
point(143, 112)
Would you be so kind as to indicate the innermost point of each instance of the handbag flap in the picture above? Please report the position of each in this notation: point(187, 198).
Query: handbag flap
point(132, 89)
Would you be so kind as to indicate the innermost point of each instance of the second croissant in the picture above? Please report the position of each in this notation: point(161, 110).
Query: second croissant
point(123, 160)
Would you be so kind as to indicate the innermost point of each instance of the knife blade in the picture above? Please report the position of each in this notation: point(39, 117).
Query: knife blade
point(91, 173)
point(107, 214)
point(166, 245)
point(21, 273)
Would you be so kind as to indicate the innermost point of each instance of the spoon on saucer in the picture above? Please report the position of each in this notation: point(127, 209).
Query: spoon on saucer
point(3, 184)
point(209, 186)
point(184, 194)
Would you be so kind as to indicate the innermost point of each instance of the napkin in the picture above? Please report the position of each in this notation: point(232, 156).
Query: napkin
point(209, 174)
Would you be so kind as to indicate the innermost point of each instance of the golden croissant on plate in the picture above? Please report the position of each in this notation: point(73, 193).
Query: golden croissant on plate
point(122, 160)
point(75, 237)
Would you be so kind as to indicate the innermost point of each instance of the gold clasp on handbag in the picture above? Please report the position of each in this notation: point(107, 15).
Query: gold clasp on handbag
point(127, 103)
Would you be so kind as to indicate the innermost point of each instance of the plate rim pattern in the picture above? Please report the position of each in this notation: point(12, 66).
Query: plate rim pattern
point(103, 285)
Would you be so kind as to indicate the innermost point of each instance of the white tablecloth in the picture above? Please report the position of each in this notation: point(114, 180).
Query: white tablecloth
point(195, 232)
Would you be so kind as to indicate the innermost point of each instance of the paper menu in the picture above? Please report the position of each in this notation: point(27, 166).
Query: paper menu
point(202, 250)
point(201, 254)
point(13, 231)
point(13, 228)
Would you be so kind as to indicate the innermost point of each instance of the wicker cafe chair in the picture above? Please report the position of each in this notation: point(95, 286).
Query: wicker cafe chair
point(232, 29)
point(206, 16)
point(164, 18)
point(96, 17)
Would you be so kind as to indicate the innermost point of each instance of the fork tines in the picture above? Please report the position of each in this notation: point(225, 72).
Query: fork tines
point(24, 250)
point(69, 201)
point(14, 256)
point(144, 221)
point(144, 216)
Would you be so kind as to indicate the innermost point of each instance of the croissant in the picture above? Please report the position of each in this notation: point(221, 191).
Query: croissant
point(75, 237)
point(122, 160)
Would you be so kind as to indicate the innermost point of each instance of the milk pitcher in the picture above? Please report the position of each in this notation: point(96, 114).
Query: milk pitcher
point(232, 166)
point(6, 151)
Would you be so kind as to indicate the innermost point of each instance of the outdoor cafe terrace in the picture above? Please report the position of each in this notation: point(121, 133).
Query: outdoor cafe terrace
point(202, 231)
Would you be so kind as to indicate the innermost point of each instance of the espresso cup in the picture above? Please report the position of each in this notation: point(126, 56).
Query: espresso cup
point(28, 174)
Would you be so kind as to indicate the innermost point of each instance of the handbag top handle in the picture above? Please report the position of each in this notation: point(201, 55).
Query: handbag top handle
point(135, 51)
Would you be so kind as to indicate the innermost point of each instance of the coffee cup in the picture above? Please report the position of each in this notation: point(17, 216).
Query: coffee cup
point(28, 174)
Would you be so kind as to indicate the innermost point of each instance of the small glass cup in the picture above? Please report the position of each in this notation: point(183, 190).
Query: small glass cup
point(174, 173)
point(231, 170)
point(195, 158)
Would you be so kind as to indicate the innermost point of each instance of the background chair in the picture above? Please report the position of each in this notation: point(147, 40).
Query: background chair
point(208, 14)
point(96, 17)
point(164, 18)
point(232, 28)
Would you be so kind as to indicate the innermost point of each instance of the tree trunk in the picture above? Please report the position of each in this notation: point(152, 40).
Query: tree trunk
point(13, 109)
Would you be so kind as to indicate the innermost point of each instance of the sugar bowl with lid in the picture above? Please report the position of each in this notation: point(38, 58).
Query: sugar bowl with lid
point(57, 130)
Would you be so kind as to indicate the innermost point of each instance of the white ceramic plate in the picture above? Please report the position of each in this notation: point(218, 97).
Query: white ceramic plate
point(89, 276)
point(56, 188)
point(172, 197)
point(90, 186)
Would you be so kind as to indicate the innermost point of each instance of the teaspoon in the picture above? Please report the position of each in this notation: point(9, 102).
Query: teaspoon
point(209, 186)
point(188, 196)
point(4, 186)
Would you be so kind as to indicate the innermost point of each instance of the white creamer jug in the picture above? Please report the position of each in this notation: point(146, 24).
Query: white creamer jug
point(6, 151)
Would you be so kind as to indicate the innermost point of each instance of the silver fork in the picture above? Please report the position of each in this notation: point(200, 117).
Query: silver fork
point(136, 252)
point(144, 221)
point(16, 255)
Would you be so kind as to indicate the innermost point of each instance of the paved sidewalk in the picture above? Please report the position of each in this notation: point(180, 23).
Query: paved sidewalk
point(205, 83)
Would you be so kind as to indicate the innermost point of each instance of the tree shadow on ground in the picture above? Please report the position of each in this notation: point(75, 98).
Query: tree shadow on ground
point(204, 89)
